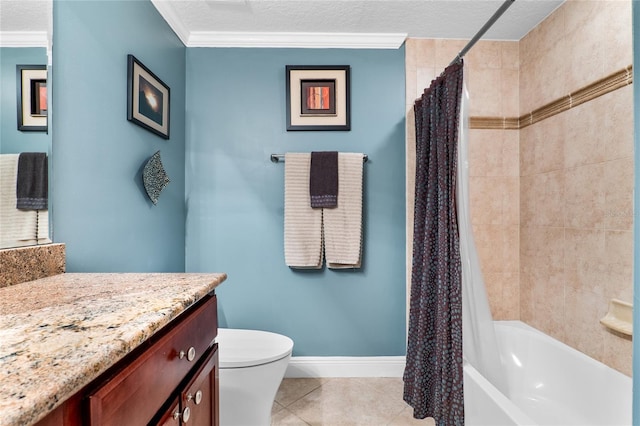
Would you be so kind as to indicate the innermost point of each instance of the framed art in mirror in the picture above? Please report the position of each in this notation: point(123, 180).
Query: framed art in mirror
point(318, 97)
point(148, 98)
point(31, 97)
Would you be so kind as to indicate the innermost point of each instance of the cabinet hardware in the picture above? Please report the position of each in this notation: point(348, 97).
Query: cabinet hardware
point(185, 415)
point(191, 354)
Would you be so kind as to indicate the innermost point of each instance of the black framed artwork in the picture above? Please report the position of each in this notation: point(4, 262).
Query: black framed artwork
point(318, 97)
point(148, 98)
point(31, 96)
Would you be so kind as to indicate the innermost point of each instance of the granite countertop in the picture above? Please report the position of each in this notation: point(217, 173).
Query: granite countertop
point(57, 334)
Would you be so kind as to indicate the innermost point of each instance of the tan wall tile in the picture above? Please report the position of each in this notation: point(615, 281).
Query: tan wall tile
point(584, 260)
point(410, 50)
point(486, 198)
point(585, 196)
point(550, 201)
point(549, 304)
point(585, 137)
point(618, 123)
point(425, 52)
point(446, 51)
point(530, 139)
point(528, 199)
point(552, 144)
point(509, 82)
point(526, 297)
point(618, 259)
point(503, 291)
point(485, 54)
point(511, 153)
point(485, 97)
point(618, 352)
point(618, 26)
point(510, 55)
point(618, 185)
point(511, 201)
point(582, 321)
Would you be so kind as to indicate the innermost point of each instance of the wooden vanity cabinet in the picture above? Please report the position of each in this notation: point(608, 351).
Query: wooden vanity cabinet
point(167, 371)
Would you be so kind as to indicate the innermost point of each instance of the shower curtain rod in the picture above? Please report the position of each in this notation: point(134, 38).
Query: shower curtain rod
point(483, 30)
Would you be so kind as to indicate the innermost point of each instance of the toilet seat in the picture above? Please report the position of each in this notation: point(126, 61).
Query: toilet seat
point(248, 348)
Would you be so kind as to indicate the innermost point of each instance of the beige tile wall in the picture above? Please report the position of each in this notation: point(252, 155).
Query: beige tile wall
point(551, 204)
point(576, 179)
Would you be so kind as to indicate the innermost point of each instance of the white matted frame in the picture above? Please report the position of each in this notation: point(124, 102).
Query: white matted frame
point(148, 98)
point(31, 83)
point(318, 97)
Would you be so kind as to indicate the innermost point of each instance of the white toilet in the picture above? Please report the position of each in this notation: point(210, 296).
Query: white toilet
point(252, 365)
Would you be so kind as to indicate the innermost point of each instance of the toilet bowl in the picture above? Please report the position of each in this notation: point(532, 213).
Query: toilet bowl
point(252, 365)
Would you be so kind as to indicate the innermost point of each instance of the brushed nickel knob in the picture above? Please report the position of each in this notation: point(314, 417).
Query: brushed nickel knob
point(191, 354)
point(197, 399)
point(186, 414)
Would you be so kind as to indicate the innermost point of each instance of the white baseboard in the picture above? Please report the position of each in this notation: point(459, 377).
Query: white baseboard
point(344, 366)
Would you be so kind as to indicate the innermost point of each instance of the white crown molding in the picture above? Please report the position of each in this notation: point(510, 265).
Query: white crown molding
point(24, 39)
point(275, 39)
point(171, 17)
point(376, 366)
point(295, 40)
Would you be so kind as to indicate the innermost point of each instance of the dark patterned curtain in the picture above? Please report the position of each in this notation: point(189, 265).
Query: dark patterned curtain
point(433, 374)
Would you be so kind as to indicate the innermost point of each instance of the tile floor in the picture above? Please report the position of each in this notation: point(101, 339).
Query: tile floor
point(342, 401)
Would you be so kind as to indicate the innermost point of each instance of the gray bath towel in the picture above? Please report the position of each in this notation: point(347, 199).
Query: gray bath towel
point(323, 179)
point(32, 182)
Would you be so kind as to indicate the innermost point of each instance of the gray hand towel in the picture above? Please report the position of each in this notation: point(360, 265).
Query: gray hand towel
point(323, 179)
point(32, 182)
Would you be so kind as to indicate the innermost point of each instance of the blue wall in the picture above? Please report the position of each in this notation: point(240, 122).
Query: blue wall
point(100, 208)
point(13, 141)
point(235, 120)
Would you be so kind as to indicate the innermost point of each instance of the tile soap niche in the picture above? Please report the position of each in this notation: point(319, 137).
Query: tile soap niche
point(620, 317)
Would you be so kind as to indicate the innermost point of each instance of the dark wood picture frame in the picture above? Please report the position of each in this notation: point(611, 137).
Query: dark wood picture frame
point(148, 98)
point(31, 98)
point(318, 97)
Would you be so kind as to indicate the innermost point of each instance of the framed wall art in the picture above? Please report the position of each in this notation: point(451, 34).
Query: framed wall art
point(148, 98)
point(318, 97)
point(31, 83)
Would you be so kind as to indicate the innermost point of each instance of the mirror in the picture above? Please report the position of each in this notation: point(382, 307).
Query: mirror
point(25, 58)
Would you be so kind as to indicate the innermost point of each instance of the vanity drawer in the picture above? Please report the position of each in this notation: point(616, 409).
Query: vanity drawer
point(133, 394)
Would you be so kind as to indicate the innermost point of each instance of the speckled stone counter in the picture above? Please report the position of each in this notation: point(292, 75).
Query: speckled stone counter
point(57, 334)
point(21, 264)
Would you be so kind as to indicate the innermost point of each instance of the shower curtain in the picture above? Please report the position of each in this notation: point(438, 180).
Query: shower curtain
point(480, 346)
point(433, 373)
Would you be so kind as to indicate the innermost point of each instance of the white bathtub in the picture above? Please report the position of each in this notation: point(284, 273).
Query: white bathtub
point(550, 383)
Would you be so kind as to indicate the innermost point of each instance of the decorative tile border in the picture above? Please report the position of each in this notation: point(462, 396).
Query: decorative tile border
point(601, 87)
point(31, 263)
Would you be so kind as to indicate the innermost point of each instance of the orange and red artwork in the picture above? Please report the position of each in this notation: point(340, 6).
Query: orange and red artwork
point(318, 97)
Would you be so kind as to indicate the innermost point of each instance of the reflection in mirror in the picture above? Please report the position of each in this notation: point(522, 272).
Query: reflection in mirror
point(25, 46)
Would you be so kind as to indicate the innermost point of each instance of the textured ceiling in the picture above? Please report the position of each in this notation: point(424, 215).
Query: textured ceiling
point(24, 15)
point(425, 18)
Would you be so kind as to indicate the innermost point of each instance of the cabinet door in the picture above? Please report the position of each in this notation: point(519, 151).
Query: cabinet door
point(200, 397)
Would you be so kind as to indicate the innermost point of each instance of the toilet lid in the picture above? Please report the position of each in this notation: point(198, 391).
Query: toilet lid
point(246, 348)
